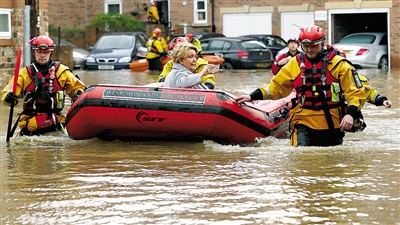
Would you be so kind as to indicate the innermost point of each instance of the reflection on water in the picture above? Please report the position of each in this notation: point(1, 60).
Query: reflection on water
point(54, 180)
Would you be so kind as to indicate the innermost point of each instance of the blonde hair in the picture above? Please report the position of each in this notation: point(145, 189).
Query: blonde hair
point(181, 51)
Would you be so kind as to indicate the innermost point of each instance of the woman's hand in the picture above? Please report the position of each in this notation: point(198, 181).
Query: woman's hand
point(207, 70)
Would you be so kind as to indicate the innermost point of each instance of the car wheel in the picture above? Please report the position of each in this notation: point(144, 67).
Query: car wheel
point(227, 66)
point(383, 63)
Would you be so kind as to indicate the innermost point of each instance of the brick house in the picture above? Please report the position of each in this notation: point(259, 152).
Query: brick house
point(336, 17)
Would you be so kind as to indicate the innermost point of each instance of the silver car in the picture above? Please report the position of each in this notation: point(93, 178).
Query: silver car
point(79, 55)
point(366, 50)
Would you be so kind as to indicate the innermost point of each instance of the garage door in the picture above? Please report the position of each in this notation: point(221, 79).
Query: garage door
point(247, 23)
point(292, 21)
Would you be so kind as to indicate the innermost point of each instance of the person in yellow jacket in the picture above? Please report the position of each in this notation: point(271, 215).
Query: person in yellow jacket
point(195, 41)
point(152, 14)
point(155, 50)
point(42, 85)
point(373, 97)
point(320, 77)
point(208, 80)
point(164, 43)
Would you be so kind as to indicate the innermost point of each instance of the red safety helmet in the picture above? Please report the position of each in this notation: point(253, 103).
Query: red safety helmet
point(312, 35)
point(154, 3)
point(42, 42)
point(190, 36)
point(340, 51)
point(156, 32)
point(295, 39)
point(176, 41)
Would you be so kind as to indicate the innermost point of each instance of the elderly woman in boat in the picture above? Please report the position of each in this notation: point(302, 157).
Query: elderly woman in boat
point(184, 57)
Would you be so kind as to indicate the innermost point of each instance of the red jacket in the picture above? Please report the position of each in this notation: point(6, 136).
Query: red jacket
point(275, 67)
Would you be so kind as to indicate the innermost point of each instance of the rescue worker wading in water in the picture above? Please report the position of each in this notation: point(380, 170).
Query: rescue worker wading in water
point(323, 81)
point(42, 85)
point(155, 50)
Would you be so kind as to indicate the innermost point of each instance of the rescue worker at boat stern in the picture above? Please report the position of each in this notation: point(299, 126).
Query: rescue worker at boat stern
point(208, 80)
point(320, 77)
point(42, 86)
point(155, 50)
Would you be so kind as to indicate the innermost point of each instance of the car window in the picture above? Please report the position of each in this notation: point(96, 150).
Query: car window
point(204, 44)
point(280, 42)
point(219, 45)
point(384, 40)
point(115, 42)
point(361, 39)
point(253, 45)
point(269, 41)
point(138, 43)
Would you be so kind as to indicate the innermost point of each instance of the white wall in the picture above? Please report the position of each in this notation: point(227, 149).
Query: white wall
point(292, 21)
point(247, 23)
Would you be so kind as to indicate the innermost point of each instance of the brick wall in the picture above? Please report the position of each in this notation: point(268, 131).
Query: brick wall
point(8, 48)
point(395, 34)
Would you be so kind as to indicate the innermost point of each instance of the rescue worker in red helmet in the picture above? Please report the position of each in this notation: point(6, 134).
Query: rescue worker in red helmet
point(372, 94)
point(293, 45)
point(323, 81)
point(195, 41)
point(42, 86)
point(155, 50)
point(208, 80)
point(152, 14)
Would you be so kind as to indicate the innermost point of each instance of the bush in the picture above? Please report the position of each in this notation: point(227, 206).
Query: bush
point(113, 22)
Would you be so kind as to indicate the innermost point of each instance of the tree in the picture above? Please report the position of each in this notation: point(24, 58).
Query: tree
point(115, 22)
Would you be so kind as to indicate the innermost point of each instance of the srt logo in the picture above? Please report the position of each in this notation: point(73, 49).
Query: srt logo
point(144, 117)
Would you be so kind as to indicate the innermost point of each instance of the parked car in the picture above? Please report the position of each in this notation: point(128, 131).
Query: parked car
point(79, 55)
point(366, 50)
point(239, 52)
point(201, 35)
point(205, 35)
point(116, 51)
point(273, 42)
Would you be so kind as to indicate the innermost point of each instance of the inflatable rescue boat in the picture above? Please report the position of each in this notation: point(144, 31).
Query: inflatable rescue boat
point(144, 113)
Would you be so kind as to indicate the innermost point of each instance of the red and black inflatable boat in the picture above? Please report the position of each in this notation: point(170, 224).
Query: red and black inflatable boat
point(150, 112)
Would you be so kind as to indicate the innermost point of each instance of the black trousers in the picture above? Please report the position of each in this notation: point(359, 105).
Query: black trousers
point(155, 64)
point(310, 137)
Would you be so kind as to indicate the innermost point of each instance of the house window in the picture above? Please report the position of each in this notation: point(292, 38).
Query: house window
point(200, 10)
point(113, 6)
point(5, 23)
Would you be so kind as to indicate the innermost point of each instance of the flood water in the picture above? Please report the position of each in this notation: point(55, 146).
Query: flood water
point(55, 180)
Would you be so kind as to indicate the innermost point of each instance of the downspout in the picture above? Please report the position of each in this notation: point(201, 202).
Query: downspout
point(27, 32)
point(213, 28)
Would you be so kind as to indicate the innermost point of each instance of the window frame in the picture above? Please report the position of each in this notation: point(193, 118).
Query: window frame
point(197, 11)
point(6, 34)
point(112, 2)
